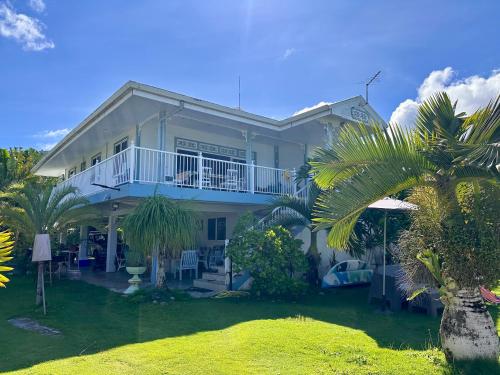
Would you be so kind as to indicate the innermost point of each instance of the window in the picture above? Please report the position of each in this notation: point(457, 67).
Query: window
point(83, 166)
point(72, 172)
point(121, 145)
point(96, 159)
point(217, 229)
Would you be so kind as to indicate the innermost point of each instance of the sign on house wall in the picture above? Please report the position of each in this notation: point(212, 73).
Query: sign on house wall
point(359, 115)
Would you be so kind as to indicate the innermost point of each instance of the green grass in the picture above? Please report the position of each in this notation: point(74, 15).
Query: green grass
point(323, 334)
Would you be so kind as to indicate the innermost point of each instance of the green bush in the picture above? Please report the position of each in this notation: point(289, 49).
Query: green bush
point(273, 258)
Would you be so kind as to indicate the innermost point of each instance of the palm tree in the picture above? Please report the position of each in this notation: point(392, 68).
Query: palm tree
point(6, 246)
point(447, 149)
point(160, 227)
point(38, 208)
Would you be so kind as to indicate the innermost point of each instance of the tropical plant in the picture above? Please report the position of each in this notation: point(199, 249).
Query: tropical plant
point(6, 246)
point(294, 210)
point(160, 227)
point(16, 164)
point(368, 163)
point(273, 258)
point(39, 208)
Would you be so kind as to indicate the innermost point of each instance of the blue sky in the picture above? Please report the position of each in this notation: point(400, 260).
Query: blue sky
point(60, 59)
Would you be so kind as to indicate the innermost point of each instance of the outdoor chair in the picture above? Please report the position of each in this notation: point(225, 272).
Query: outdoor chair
point(232, 180)
point(188, 261)
point(182, 178)
point(206, 177)
point(216, 257)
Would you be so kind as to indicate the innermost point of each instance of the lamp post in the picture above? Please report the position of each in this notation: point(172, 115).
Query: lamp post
point(41, 253)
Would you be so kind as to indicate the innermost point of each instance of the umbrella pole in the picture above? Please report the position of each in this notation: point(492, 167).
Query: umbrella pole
point(43, 291)
point(383, 267)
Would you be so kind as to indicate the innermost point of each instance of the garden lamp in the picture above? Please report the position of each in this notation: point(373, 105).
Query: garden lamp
point(42, 253)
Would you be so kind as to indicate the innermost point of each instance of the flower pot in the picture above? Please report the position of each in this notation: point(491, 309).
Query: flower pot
point(135, 280)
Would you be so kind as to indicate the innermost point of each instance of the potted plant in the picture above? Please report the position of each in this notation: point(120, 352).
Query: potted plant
point(136, 265)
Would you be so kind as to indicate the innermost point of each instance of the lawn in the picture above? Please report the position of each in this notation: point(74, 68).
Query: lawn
point(103, 332)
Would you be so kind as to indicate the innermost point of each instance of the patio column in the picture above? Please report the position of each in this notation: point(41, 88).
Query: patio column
point(162, 128)
point(84, 237)
point(112, 243)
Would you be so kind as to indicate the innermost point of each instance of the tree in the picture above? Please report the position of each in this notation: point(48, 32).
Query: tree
point(39, 208)
point(6, 246)
point(298, 211)
point(16, 164)
point(447, 149)
point(161, 227)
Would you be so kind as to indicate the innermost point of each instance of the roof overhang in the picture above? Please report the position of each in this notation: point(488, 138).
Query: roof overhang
point(135, 102)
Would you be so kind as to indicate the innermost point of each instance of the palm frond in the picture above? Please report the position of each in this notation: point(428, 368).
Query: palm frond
point(360, 148)
point(479, 145)
point(437, 119)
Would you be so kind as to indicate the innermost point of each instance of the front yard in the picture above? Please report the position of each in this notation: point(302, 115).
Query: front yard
point(103, 332)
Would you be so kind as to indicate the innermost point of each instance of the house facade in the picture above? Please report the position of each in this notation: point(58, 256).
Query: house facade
point(145, 140)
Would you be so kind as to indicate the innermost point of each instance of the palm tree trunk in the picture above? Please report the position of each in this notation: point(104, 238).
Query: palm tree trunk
point(467, 330)
point(39, 292)
point(160, 272)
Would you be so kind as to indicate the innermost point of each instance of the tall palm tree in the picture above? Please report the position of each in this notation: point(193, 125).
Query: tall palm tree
point(160, 227)
point(6, 246)
point(38, 208)
point(447, 149)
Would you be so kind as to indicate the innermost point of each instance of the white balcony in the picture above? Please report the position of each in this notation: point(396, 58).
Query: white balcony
point(148, 166)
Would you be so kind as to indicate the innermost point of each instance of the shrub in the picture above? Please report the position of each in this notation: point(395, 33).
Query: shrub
point(273, 258)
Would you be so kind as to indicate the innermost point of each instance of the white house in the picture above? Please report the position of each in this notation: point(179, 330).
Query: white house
point(226, 161)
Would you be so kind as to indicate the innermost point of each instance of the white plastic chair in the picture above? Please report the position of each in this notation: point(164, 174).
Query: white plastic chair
point(189, 261)
point(206, 177)
point(232, 179)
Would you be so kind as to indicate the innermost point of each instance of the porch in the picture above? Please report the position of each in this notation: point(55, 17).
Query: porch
point(186, 170)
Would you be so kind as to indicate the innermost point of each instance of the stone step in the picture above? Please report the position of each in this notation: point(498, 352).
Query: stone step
point(212, 276)
point(216, 286)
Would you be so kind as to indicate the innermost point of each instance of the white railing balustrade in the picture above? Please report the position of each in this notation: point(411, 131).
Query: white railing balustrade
point(144, 165)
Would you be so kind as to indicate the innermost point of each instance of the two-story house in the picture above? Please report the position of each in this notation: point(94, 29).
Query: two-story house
point(226, 161)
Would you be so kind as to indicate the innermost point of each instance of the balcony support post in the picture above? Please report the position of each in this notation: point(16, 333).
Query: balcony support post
point(111, 245)
point(132, 163)
point(200, 170)
point(294, 183)
point(251, 178)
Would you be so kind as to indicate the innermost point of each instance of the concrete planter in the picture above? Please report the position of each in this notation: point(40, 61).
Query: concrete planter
point(135, 281)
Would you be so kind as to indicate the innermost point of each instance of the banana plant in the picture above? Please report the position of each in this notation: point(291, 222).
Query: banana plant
point(6, 246)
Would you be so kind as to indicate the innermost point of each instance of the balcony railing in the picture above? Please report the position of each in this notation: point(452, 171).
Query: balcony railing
point(149, 166)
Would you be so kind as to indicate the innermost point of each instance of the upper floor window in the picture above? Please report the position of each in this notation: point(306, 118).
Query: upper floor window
point(121, 145)
point(96, 159)
point(83, 166)
point(72, 172)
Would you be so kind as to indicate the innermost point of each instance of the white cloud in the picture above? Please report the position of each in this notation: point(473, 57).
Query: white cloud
point(471, 93)
point(37, 5)
point(50, 138)
point(303, 110)
point(288, 52)
point(45, 146)
point(26, 30)
point(58, 133)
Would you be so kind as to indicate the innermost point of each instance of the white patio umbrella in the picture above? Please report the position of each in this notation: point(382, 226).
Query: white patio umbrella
point(389, 204)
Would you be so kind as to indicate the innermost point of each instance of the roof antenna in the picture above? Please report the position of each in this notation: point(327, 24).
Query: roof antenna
point(239, 93)
point(370, 81)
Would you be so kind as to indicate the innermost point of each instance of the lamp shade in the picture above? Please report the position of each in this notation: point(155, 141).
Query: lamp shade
point(41, 248)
